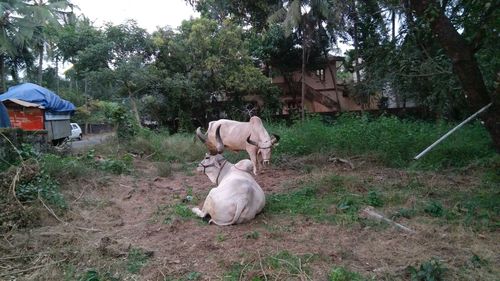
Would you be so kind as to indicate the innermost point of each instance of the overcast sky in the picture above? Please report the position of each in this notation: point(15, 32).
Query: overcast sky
point(148, 13)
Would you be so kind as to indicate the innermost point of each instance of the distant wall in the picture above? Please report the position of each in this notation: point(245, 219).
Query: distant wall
point(96, 128)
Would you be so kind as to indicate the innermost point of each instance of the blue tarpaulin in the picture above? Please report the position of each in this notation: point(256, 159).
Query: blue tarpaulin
point(37, 94)
point(4, 117)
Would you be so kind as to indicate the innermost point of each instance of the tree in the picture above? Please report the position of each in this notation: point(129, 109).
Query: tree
point(462, 54)
point(44, 14)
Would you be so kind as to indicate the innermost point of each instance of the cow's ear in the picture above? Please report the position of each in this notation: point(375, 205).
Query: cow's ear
point(275, 139)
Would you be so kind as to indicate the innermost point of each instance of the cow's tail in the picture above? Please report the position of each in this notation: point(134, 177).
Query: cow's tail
point(240, 206)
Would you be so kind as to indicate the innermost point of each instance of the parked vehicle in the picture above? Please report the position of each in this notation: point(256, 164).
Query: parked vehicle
point(33, 108)
point(76, 132)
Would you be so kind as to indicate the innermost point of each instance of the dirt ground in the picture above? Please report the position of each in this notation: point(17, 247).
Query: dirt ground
point(110, 216)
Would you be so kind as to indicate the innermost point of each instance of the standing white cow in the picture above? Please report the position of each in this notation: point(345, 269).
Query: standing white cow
point(238, 198)
point(236, 136)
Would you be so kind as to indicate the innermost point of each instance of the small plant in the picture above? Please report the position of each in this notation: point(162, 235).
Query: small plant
point(193, 275)
point(405, 213)
point(375, 199)
point(431, 270)
point(43, 186)
point(342, 274)
point(137, 258)
point(182, 211)
point(252, 235)
point(434, 209)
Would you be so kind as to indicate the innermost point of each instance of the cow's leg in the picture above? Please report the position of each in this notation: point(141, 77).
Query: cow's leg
point(252, 151)
point(205, 210)
point(199, 212)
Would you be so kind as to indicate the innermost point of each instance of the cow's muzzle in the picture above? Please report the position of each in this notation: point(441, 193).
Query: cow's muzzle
point(266, 162)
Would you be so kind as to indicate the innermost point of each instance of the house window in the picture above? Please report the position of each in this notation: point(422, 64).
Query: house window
point(320, 73)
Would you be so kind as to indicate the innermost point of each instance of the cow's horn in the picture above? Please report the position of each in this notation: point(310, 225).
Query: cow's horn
point(201, 136)
point(252, 142)
point(220, 144)
point(275, 139)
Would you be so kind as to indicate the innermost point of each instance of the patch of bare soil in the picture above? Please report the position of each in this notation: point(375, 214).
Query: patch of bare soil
point(110, 216)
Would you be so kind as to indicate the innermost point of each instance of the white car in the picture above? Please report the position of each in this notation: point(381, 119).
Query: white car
point(76, 132)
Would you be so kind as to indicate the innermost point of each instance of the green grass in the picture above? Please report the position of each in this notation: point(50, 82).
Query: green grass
point(136, 259)
point(279, 266)
point(343, 274)
point(394, 141)
point(323, 199)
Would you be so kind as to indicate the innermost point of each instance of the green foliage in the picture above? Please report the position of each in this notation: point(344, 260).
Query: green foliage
point(342, 274)
point(126, 127)
point(431, 270)
point(394, 141)
point(434, 208)
point(45, 187)
point(375, 198)
point(136, 259)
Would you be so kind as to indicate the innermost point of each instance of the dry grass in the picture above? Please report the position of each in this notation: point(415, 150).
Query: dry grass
point(124, 208)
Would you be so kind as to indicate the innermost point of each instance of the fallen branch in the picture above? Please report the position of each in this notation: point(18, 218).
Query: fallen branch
point(369, 212)
point(344, 161)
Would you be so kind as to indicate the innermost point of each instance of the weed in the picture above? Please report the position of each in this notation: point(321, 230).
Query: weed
point(136, 259)
point(44, 186)
point(193, 275)
point(404, 213)
point(375, 199)
point(342, 274)
point(431, 270)
point(183, 211)
point(478, 262)
point(252, 235)
point(434, 209)
point(93, 275)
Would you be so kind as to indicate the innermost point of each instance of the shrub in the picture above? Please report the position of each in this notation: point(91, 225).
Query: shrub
point(431, 270)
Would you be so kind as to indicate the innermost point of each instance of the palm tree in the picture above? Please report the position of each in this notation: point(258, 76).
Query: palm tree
point(45, 14)
point(15, 32)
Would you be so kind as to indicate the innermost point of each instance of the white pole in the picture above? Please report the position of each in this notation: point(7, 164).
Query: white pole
point(451, 131)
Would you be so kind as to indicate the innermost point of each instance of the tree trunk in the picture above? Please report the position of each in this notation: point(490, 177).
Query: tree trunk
point(40, 64)
point(303, 90)
point(3, 84)
point(334, 79)
point(57, 73)
point(464, 65)
point(133, 104)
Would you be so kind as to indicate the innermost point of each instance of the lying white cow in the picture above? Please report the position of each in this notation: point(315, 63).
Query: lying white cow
point(236, 136)
point(238, 198)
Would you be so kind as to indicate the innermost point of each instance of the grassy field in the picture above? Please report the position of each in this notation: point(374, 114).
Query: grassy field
point(121, 211)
